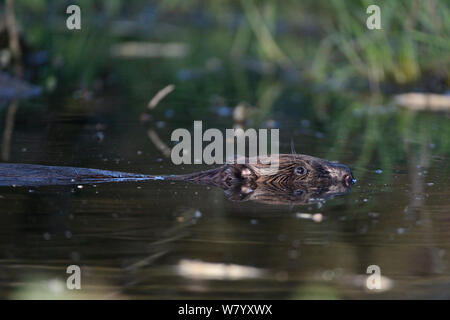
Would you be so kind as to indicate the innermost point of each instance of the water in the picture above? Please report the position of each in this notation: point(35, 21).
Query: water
point(161, 239)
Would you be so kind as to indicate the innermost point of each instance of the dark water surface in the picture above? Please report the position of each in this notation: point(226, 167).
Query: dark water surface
point(162, 239)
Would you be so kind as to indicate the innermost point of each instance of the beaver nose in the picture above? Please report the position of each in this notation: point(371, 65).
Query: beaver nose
point(348, 180)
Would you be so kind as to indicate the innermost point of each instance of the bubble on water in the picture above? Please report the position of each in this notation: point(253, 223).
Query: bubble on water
point(197, 214)
point(378, 171)
point(68, 234)
point(139, 152)
point(47, 236)
point(400, 230)
point(254, 221)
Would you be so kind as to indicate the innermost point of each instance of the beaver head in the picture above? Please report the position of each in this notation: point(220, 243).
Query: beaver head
point(296, 169)
point(299, 179)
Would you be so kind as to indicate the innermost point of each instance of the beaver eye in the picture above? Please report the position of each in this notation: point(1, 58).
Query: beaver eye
point(300, 171)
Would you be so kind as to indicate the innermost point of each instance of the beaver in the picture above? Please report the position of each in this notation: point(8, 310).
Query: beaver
point(297, 177)
point(300, 179)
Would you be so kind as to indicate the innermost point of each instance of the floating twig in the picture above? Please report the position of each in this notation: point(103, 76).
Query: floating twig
point(160, 95)
point(9, 128)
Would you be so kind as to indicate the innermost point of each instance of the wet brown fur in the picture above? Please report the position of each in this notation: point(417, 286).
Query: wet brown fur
point(252, 181)
point(317, 172)
point(248, 180)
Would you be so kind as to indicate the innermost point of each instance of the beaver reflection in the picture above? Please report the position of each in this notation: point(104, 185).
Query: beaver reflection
point(270, 194)
point(299, 180)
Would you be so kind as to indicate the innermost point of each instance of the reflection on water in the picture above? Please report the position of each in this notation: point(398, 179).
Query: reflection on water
point(162, 239)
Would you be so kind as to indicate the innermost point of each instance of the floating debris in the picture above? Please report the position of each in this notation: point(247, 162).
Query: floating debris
point(150, 50)
point(200, 270)
point(316, 217)
point(160, 95)
point(423, 101)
